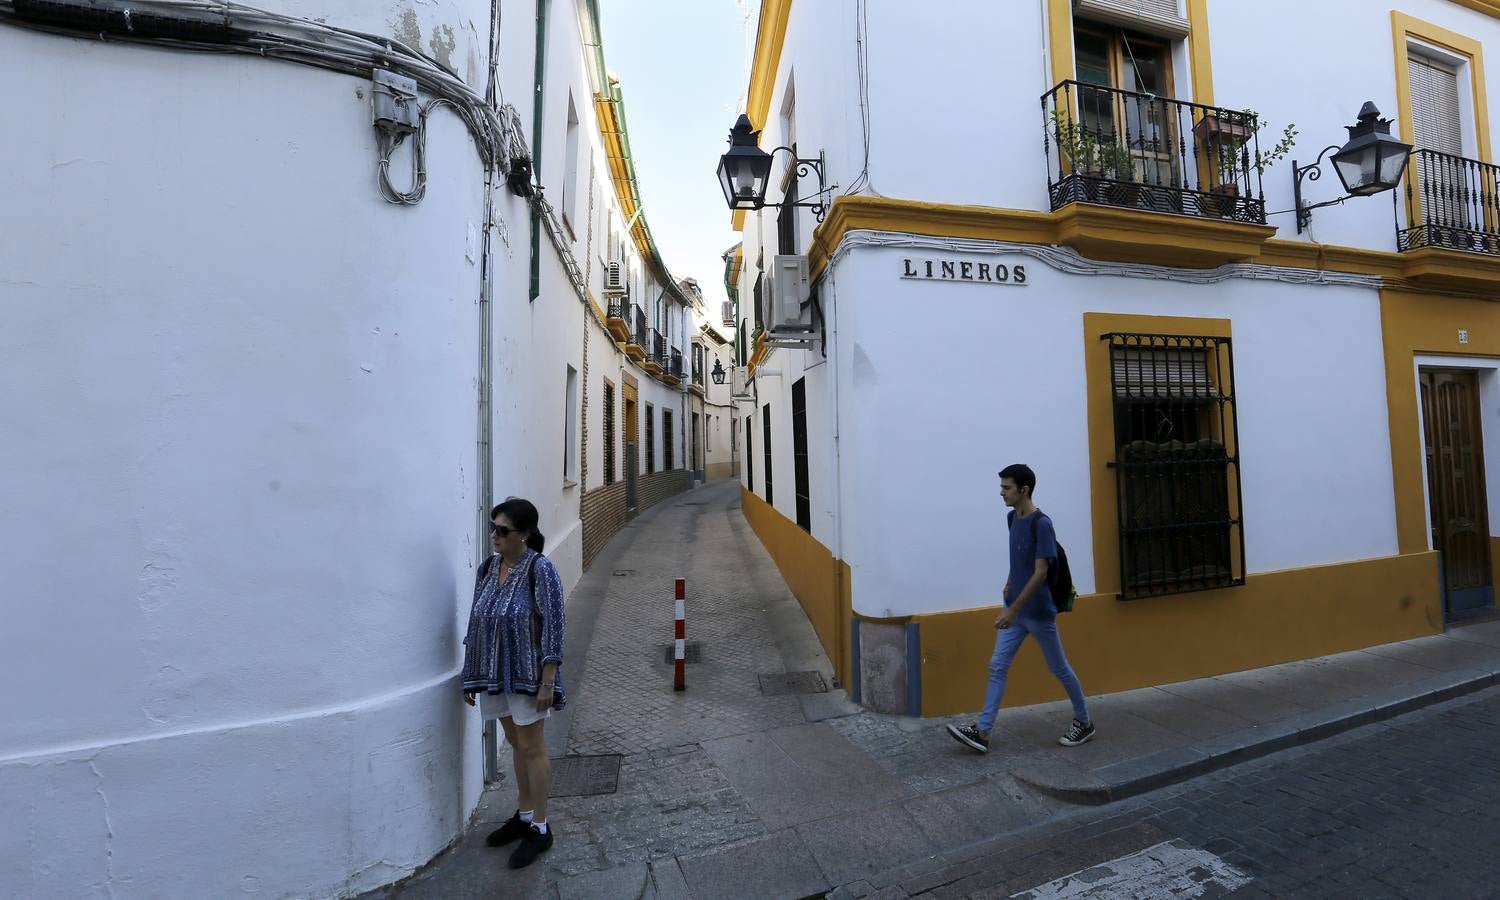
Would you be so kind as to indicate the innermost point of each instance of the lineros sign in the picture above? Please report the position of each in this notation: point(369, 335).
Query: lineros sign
point(923, 269)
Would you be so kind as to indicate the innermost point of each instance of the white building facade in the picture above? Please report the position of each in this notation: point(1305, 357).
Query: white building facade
point(1076, 257)
point(285, 395)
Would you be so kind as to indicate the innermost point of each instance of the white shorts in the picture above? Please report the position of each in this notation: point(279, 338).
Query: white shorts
point(521, 708)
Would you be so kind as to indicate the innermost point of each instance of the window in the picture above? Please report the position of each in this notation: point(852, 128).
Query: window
point(750, 453)
point(1118, 61)
point(650, 439)
point(1437, 124)
point(569, 197)
point(765, 421)
point(609, 433)
point(799, 454)
point(786, 221)
point(1177, 464)
point(570, 427)
point(666, 440)
point(695, 463)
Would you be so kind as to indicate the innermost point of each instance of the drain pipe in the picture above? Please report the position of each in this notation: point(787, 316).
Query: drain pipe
point(486, 466)
point(537, 109)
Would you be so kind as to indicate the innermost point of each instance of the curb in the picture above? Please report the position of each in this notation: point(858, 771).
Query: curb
point(1142, 774)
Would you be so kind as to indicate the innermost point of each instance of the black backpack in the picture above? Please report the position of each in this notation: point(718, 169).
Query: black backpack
point(1059, 576)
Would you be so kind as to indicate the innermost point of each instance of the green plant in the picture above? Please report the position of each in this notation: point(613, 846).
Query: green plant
point(1087, 154)
point(1265, 158)
point(1225, 136)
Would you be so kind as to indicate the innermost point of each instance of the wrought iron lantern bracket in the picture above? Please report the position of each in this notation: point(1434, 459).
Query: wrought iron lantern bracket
point(1312, 172)
point(807, 165)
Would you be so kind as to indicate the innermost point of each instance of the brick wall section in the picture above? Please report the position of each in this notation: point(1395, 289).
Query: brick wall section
point(604, 512)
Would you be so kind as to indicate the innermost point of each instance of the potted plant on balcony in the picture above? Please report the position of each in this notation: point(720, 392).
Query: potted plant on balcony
point(1090, 155)
point(1223, 135)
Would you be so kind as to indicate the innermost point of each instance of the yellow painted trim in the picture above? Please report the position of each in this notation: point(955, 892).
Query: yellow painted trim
point(770, 38)
point(1060, 40)
point(1101, 423)
point(1200, 53)
point(818, 579)
point(1117, 646)
point(1488, 7)
point(1412, 324)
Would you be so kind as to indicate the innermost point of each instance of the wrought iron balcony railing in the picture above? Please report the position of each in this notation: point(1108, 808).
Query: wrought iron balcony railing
point(617, 306)
point(675, 370)
point(638, 332)
point(1141, 151)
point(656, 351)
point(1451, 202)
point(697, 371)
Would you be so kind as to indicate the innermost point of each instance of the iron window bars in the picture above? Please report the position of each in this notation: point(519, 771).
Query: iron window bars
point(1452, 202)
point(609, 433)
point(1141, 151)
point(666, 440)
point(650, 439)
point(1177, 464)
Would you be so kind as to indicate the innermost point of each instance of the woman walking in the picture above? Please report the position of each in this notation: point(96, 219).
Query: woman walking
point(512, 656)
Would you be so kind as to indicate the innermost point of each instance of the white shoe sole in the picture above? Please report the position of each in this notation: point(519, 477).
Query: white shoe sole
point(959, 736)
point(1067, 743)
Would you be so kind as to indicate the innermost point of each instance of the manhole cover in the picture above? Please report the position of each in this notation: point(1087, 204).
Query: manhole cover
point(585, 776)
point(792, 683)
point(692, 652)
point(621, 573)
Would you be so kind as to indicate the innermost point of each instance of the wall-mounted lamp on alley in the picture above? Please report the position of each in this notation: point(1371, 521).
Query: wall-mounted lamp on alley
point(718, 374)
point(745, 171)
point(1371, 162)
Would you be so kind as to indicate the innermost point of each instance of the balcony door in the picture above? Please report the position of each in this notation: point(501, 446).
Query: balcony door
point(1127, 79)
point(1437, 125)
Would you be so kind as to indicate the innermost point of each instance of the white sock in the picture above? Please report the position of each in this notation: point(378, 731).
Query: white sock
point(540, 826)
point(527, 815)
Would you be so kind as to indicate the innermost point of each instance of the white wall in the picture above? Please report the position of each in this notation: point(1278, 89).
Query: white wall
point(240, 480)
point(933, 405)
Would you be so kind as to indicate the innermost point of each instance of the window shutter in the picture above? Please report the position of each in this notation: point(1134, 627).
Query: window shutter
point(1142, 372)
point(1435, 107)
point(1158, 17)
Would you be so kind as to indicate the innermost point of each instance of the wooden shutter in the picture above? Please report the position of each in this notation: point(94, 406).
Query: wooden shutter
point(1435, 107)
point(1143, 372)
point(1158, 17)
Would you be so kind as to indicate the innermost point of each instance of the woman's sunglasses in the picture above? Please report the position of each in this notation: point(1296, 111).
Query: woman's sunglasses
point(502, 530)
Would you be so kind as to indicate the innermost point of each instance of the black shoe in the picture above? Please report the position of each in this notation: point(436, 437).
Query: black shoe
point(970, 736)
point(513, 829)
point(1080, 733)
point(533, 844)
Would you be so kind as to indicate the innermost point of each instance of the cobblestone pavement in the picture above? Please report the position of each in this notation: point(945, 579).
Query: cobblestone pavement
point(1406, 808)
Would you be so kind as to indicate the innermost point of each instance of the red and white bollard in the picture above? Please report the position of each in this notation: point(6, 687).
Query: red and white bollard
point(679, 677)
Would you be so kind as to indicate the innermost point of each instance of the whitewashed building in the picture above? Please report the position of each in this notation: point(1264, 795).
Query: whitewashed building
point(1258, 442)
point(266, 373)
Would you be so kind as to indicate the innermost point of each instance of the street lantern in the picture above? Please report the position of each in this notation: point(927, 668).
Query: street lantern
point(1370, 163)
point(718, 373)
point(745, 169)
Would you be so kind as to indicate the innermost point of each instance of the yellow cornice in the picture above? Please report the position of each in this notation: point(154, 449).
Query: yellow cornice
point(1111, 233)
point(1488, 7)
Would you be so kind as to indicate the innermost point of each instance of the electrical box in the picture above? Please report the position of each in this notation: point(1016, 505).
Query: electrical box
point(395, 101)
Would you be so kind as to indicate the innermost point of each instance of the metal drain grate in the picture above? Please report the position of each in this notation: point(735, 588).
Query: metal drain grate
point(585, 776)
point(692, 652)
point(792, 683)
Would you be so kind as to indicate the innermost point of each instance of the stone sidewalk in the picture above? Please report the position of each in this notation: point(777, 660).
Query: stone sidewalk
point(731, 789)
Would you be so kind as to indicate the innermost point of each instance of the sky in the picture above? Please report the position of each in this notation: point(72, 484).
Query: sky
point(682, 66)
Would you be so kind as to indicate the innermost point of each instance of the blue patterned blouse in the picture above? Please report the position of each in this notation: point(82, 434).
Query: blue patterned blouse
point(512, 634)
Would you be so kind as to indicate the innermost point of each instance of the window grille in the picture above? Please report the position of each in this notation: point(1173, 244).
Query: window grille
point(799, 454)
point(609, 433)
point(1176, 458)
point(650, 439)
point(765, 419)
point(666, 440)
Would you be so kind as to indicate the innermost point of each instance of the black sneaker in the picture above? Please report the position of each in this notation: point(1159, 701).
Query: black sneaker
point(970, 736)
point(513, 829)
point(1080, 733)
point(533, 844)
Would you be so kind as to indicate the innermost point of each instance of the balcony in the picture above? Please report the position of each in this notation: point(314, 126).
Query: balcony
point(1139, 177)
point(673, 375)
point(619, 329)
point(697, 385)
point(1452, 238)
point(656, 353)
point(636, 347)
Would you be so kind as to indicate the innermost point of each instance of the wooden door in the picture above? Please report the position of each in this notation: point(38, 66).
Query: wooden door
point(1455, 487)
point(632, 456)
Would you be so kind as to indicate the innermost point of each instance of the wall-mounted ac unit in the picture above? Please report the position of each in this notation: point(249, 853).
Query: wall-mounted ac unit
point(740, 384)
point(728, 317)
point(614, 277)
point(788, 322)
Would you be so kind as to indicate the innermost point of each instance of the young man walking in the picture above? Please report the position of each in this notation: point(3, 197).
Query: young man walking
point(1030, 610)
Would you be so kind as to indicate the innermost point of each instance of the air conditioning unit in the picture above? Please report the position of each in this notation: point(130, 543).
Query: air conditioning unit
point(614, 277)
point(740, 384)
point(787, 324)
point(729, 314)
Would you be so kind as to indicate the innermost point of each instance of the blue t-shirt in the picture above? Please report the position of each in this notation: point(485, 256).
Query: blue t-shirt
point(1024, 552)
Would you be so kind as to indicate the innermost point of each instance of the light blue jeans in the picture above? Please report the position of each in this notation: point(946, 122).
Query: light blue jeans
point(1007, 642)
